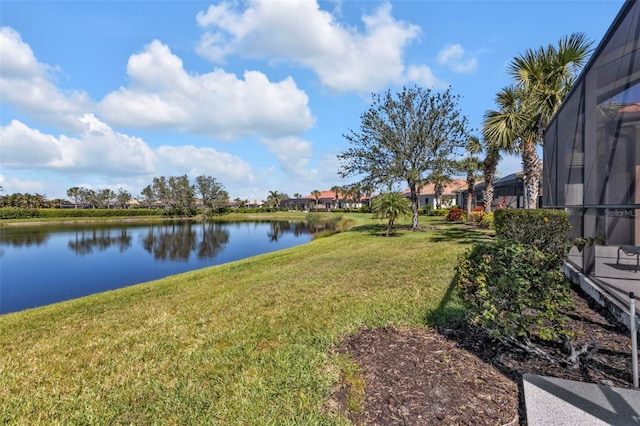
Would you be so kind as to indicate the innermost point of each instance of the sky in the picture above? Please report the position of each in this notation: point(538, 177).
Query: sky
point(258, 94)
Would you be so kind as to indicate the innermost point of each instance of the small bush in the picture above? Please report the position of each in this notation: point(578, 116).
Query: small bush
point(545, 229)
point(456, 215)
point(513, 291)
point(476, 217)
point(487, 221)
point(438, 212)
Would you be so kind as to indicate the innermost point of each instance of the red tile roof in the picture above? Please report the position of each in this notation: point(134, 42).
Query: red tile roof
point(449, 189)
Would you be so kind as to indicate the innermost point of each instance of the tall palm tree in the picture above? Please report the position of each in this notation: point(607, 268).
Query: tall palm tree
point(439, 181)
point(273, 199)
point(513, 128)
point(316, 195)
point(336, 189)
point(391, 205)
point(297, 195)
point(471, 164)
point(489, 166)
point(542, 78)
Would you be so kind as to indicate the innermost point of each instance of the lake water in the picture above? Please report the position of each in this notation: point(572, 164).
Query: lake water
point(40, 265)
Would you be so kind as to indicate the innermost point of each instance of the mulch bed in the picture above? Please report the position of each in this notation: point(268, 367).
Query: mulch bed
point(424, 376)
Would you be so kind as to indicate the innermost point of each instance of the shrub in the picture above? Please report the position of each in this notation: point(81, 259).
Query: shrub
point(476, 217)
point(18, 213)
point(456, 215)
point(545, 229)
point(438, 212)
point(487, 221)
point(513, 291)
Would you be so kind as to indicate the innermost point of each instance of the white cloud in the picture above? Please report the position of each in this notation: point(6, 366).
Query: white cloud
point(97, 150)
point(344, 58)
point(162, 94)
point(21, 145)
point(11, 185)
point(452, 56)
point(293, 155)
point(26, 83)
point(225, 167)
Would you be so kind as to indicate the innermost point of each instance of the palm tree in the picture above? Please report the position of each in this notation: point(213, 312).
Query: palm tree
point(471, 164)
point(336, 189)
point(542, 78)
point(316, 195)
point(489, 166)
point(273, 199)
point(297, 195)
point(439, 181)
point(513, 128)
point(391, 205)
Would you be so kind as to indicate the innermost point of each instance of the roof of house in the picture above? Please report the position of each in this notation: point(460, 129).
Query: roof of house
point(449, 189)
point(323, 195)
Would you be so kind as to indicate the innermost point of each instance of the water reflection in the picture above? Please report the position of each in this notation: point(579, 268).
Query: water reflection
point(35, 260)
point(37, 237)
point(278, 229)
point(86, 241)
point(176, 241)
point(214, 238)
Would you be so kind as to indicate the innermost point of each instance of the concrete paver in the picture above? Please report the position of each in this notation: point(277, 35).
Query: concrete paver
point(558, 402)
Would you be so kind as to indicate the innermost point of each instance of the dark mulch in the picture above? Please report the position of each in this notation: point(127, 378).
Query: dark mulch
point(423, 376)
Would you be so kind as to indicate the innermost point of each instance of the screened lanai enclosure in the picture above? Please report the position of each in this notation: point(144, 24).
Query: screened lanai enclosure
point(592, 159)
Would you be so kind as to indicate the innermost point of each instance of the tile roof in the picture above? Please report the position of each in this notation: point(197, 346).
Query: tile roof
point(449, 189)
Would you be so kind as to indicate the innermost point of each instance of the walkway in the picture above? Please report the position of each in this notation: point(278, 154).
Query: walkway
point(558, 402)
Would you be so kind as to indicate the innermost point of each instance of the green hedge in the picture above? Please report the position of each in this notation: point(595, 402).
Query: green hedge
point(438, 212)
point(18, 213)
point(545, 229)
point(514, 290)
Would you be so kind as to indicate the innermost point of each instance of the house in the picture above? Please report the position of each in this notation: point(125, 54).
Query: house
point(448, 197)
point(592, 161)
point(326, 201)
point(508, 193)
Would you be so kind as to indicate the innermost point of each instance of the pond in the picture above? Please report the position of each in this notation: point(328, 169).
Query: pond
point(40, 265)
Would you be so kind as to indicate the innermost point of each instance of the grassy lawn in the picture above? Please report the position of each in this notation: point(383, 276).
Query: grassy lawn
point(246, 342)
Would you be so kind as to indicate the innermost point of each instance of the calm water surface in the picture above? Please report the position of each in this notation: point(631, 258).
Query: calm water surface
point(41, 265)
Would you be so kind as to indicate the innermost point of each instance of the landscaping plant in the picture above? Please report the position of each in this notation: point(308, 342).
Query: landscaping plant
point(513, 287)
point(456, 215)
point(514, 291)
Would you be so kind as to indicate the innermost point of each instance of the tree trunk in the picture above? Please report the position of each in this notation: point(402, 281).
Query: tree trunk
point(531, 166)
point(415, 204)
point(490, 165)
point(470, 184)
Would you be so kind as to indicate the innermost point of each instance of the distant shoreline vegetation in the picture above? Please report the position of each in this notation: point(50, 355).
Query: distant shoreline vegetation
point(57, 213)
point(323, 224)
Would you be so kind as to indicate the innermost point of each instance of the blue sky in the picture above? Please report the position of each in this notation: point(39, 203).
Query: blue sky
point(109, 94)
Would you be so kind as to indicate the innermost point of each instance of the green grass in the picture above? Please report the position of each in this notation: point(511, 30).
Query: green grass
point(246, 342)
